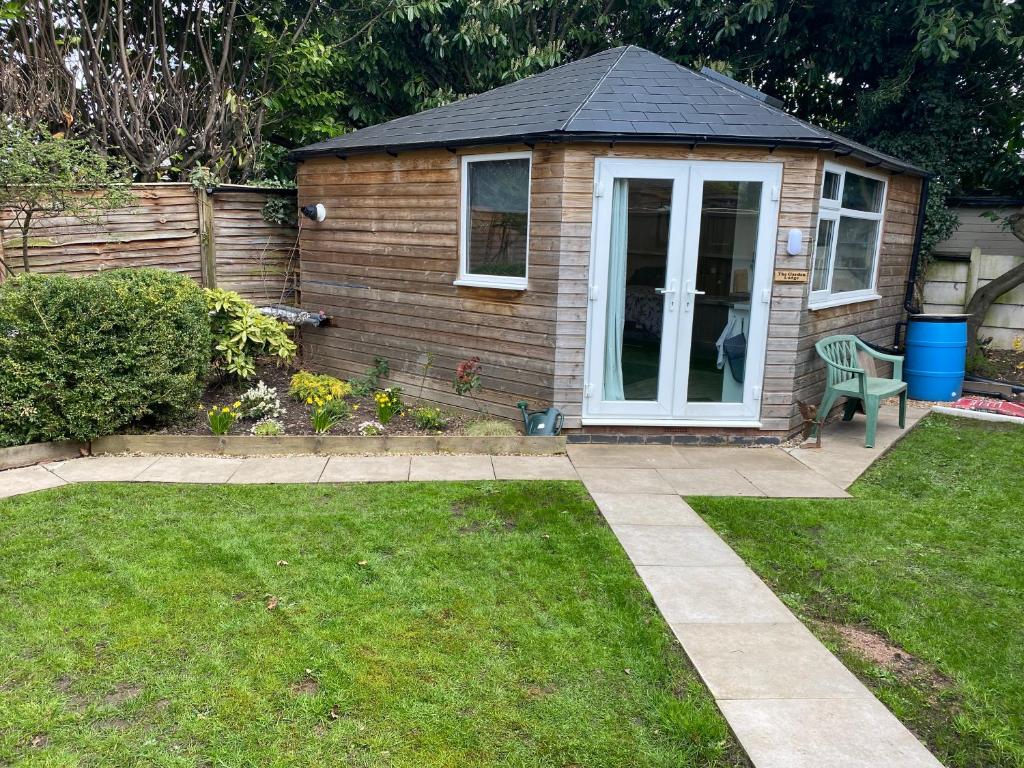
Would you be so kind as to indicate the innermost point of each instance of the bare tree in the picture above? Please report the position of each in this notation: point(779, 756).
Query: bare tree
point(168, 85)
point(987, 294)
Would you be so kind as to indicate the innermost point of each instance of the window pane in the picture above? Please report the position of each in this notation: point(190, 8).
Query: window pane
point(830, 188)
point(862, 194)
point(855, 254)
point(729, 216)
point(637, 260)
point(499, 208)
point(822, 250)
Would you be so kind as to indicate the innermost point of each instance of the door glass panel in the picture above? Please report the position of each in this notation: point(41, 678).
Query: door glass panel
point(725, 273)
point(638, 256)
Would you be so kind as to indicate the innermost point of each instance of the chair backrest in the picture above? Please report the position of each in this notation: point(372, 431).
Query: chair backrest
point(839, 350)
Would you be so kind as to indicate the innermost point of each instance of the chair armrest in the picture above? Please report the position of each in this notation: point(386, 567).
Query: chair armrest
point(896, 360)
point(847, 368)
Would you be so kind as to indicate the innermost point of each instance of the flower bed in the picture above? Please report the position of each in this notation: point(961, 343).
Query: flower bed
point(296, 414)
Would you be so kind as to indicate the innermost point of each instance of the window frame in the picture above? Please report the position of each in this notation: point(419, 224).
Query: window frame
point(833, 210)
point(465, 277)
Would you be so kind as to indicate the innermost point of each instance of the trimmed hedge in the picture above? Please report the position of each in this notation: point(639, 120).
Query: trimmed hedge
point(88, 356)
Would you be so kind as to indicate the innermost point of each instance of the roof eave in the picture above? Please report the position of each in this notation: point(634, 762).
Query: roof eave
point(870, 159)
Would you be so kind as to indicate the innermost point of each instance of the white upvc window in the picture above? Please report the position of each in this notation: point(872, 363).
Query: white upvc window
point(844, 267)
point(494, 234)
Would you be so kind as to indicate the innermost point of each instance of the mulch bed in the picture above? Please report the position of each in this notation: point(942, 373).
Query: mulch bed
point(1004, 365)
point(296, 415)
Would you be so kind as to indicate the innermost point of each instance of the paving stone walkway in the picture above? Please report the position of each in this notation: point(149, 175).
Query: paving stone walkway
point(789, 701)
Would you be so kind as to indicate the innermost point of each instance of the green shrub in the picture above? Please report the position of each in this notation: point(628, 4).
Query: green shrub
point(241, 333)
point(433, 419)
point(306, 386)
point(268, 428)
point(84, 357)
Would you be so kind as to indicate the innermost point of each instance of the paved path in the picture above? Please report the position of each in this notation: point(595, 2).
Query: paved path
point(789, 701)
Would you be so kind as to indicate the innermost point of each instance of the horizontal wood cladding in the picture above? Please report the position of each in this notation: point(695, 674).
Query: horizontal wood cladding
point(875, 320)
point(384, 262)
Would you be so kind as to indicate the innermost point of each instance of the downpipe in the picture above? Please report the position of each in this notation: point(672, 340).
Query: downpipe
point(915, 260)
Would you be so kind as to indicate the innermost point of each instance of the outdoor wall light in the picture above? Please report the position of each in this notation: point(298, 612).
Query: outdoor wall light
point(794, 241)
point(316, 212)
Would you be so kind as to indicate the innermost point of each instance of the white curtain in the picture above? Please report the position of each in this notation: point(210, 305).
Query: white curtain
point(616, 300)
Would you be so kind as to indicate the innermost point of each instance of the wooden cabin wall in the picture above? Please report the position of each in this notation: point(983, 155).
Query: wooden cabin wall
point(383, 265)
point(873, 320)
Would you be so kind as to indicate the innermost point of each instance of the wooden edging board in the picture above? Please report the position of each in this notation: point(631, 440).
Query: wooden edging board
point(331, 445)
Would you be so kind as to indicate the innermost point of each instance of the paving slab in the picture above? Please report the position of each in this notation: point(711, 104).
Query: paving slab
point(627, 456)
point(729, 595)
point(279, 469)
point(646, 509)
point(533, 468)
point(709, 482)
point(802, 483)
point(611, 480)
point(14, 482)
point(674, 545)
point(727, 457)
point(189, 469)
point(814, 733)
point(766, 661)
point(458, 467)
point(103, 469)
point(366, 469)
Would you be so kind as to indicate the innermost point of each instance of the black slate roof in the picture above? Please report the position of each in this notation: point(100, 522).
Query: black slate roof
point(623, 94)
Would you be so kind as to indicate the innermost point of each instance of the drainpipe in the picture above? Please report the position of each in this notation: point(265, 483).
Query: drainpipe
point(915, 258)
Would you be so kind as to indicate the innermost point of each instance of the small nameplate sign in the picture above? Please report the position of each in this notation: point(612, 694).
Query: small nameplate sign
point(790, 275)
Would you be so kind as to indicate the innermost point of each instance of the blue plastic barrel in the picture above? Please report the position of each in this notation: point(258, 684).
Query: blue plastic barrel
point(936, 353)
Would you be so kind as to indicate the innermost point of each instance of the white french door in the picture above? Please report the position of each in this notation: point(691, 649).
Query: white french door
point(680, 282)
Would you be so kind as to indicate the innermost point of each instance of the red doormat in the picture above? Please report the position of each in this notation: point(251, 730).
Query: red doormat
point(990, 405)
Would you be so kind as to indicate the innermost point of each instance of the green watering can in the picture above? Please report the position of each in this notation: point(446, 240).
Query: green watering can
point(548, 422)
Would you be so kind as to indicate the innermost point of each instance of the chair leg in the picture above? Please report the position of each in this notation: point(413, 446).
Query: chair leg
point(871, 406)
point(826, 405)
point(850, 408)
point(903, 409)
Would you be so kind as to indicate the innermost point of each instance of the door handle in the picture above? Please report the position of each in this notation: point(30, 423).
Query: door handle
point(669, 290)
point(691, 291)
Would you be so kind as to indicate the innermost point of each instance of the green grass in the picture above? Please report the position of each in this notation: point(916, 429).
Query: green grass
point(415, 625)
point(929, 553)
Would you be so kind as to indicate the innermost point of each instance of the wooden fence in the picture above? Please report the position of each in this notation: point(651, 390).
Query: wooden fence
point(218, 238)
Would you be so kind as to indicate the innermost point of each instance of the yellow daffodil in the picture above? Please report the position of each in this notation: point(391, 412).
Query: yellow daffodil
point(225, 409)
point(237, 404)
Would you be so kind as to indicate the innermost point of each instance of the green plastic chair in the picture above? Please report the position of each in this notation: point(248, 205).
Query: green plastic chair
point(846, 378)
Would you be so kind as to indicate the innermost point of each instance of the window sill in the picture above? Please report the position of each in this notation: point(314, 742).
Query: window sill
point(483, 282)
point(840, 301)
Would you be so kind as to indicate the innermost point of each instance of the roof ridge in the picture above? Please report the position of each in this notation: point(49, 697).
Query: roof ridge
point(597, 85)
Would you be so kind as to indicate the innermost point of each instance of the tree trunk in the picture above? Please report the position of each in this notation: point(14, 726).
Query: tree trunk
point(24, 240)
point(987, 294)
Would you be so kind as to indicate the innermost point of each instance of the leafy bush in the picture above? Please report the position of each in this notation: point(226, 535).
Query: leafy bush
point(241, 333)
point(84, 357)
point(366, 385)
point(260, 402)
point(429, 418)
point(268, 428)
point(491, 428)
point(310, 386)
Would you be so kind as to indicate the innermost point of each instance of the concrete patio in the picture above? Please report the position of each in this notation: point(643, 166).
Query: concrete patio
point(789, 701)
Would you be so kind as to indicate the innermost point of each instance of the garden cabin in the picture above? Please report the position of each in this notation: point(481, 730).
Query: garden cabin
point(651, 249)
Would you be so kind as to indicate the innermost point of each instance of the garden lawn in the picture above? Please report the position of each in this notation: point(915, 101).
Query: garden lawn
point(364, 625)
point(930, 554)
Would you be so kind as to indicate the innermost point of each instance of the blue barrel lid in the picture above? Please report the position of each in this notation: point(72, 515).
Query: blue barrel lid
point(945, 318)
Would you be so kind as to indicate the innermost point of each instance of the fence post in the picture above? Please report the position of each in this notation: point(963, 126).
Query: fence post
point(207, 237)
